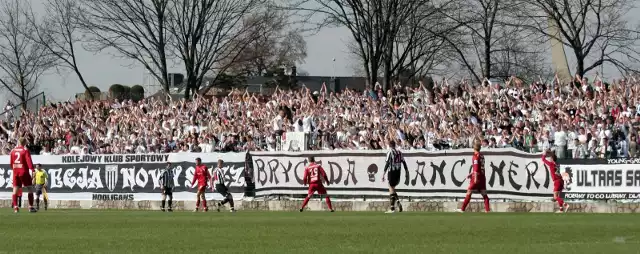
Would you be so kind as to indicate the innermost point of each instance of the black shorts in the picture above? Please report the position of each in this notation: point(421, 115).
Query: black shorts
point(39, 188)
point(220, 188)
point(167, 191)
point(394, 178)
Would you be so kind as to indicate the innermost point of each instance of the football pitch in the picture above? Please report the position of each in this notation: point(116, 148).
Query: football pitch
point(89, 231)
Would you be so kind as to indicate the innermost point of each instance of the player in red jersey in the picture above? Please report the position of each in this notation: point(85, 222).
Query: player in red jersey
point(558, 183)
point(21, 164)
point(202, 177)
point(315, 176)
point(478, 181)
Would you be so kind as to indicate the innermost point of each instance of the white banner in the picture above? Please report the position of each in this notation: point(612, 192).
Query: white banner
point(511, 174)
point(99, 177)
point(294, 141)
point(601, 179)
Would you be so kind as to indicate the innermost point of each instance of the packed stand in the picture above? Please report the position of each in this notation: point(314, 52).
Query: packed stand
point(578, 119)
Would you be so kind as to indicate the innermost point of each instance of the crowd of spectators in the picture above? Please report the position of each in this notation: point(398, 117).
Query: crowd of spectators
point(579, 119)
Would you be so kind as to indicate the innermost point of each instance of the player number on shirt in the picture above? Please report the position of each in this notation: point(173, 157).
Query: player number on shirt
point(314, 174)
point(17, 160)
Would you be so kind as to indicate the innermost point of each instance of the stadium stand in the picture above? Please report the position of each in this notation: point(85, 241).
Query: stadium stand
point(579, 119)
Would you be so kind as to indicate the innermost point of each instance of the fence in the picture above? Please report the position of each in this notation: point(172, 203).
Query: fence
point(32, 104)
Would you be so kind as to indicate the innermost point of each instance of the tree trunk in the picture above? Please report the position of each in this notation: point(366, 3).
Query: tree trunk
point(191, 86)
point(579, 63)
point(374, 74)
point(487, 58)
point(387, 74)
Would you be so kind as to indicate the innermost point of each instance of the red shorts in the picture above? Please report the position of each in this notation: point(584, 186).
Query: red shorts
point(558, 185)
point(479, 186)
point(317, 187)
point(21, 179)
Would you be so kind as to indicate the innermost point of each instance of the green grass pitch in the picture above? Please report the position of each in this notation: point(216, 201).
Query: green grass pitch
point(89, 231)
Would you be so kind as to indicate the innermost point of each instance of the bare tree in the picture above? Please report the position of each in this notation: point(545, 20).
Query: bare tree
point(489, 42)
point(388, 35)
point(597, 32)
point(23, 60)
point(272, 44)
point(368, 21)
point(205, 33)
point(419, 48)
point(59, 32)
point(135, 29)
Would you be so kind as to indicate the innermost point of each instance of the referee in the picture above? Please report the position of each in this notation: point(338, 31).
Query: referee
point(166, 185)
point(395, 162)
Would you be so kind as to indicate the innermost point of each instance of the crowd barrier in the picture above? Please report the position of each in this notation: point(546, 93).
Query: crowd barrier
point(511, 175)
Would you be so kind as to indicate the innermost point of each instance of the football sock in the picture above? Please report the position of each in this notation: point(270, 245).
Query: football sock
point(466, 202)
point(204, 204)
point(30, 196)
point(19, 201)
point(14, 200)
point(224, 201)
point(37, 201)
point(328, 200)
point(487, 208)
point(392, 201)
point(306, 200)
point(170, 201)
point(163, 202)
point(198, 204)
point(560, 202)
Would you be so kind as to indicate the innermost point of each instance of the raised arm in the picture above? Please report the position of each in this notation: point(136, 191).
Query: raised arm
point(545, 161)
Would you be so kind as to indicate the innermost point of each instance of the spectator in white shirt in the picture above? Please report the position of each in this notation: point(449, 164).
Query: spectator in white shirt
point(308, 125)
point(560, 142)
point(298, 125)
point(572, 142)
point(46, 151)
point(623, 148)
point(277, 123)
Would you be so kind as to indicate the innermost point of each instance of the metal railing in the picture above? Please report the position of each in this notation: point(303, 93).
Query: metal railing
point(32, 104)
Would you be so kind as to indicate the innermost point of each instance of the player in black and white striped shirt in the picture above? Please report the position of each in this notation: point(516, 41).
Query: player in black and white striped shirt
point(166, 185)
point(221, 187)
point(395, 161)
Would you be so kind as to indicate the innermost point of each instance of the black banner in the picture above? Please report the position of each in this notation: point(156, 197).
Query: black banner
point(123, 178)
